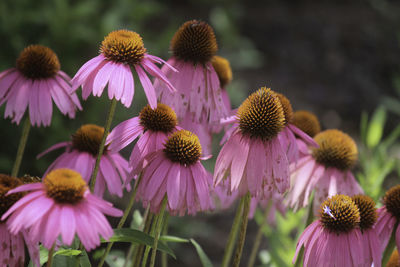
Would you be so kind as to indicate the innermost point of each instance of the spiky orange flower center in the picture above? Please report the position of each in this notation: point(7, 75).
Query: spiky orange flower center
point(195, 42)
point(392, 201)
point(38, 62)
point(339, 214)
point(88, 138)
point(183, 147)
point(163, 118)
point(223, 70)
point(307, 122)
point(287, 108)
point(123, 46)
point(261, 115)
point(65, 186)
point(368, 214)
point(6, 184)
point(336, 149)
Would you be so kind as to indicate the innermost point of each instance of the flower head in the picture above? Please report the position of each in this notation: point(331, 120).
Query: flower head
point(176, 172)
point(253, 157)
point(307, 122)
point(336, 149)
point(61, 205)
point(198, 90)
point(34, 83)
point(80, 155)
point(13, 251)
point(194, 41)
point(334, 239)
point(152, 126)
point(119, 51)
point(327, 170)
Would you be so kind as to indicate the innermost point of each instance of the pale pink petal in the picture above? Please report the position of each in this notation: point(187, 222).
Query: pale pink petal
point(85, 71)
point(124, 134)
point(7, 78)
point(67, 224)
point(147, 86)
point(129, 86)
point(173, 185)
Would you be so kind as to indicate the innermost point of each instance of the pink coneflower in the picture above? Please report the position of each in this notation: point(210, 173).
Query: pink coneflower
point(327, 170)
point(253, 157)
point(36, 81)
point(176, 172)
point(198, 88)
point(80, 155)
point(308, 123)
point(334, 239)
point(290, 134)
point(389, 217)
point(152, 125)
point(12, 251)
point(61, 205)
point(120, 51)
point(369, 237)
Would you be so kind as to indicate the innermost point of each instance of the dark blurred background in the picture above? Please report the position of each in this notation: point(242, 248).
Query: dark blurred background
point(335, 58)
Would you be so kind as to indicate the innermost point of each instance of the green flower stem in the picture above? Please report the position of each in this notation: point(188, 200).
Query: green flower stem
point(164, 256)
point(122, 220)
point(242, 232)
point(21, 147)
point(233, 235)
point(103, 141)
point(154, 230)
point(137, 256)
point(310, 217)
point(390, 247)
point(158, 231)
point(50, 256)
point(132, 247)
point(259, 236)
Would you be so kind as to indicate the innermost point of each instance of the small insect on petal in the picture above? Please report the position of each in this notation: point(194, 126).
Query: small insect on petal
point(327, 210)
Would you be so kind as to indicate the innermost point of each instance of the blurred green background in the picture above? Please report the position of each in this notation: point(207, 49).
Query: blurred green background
point(336, 58)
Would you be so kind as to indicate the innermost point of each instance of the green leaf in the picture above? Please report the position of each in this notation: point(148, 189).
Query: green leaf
point(205, 261)
point(138, 237)
point(375, 129)
point(174, 239)
point(85, 262)
point(68, 252)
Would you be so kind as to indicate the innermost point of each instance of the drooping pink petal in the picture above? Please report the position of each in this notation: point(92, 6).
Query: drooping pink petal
point(147, 86)
point(67, 224)
point(129, 87)
point(173, 185)
point(85, 71)
point(124, 134)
